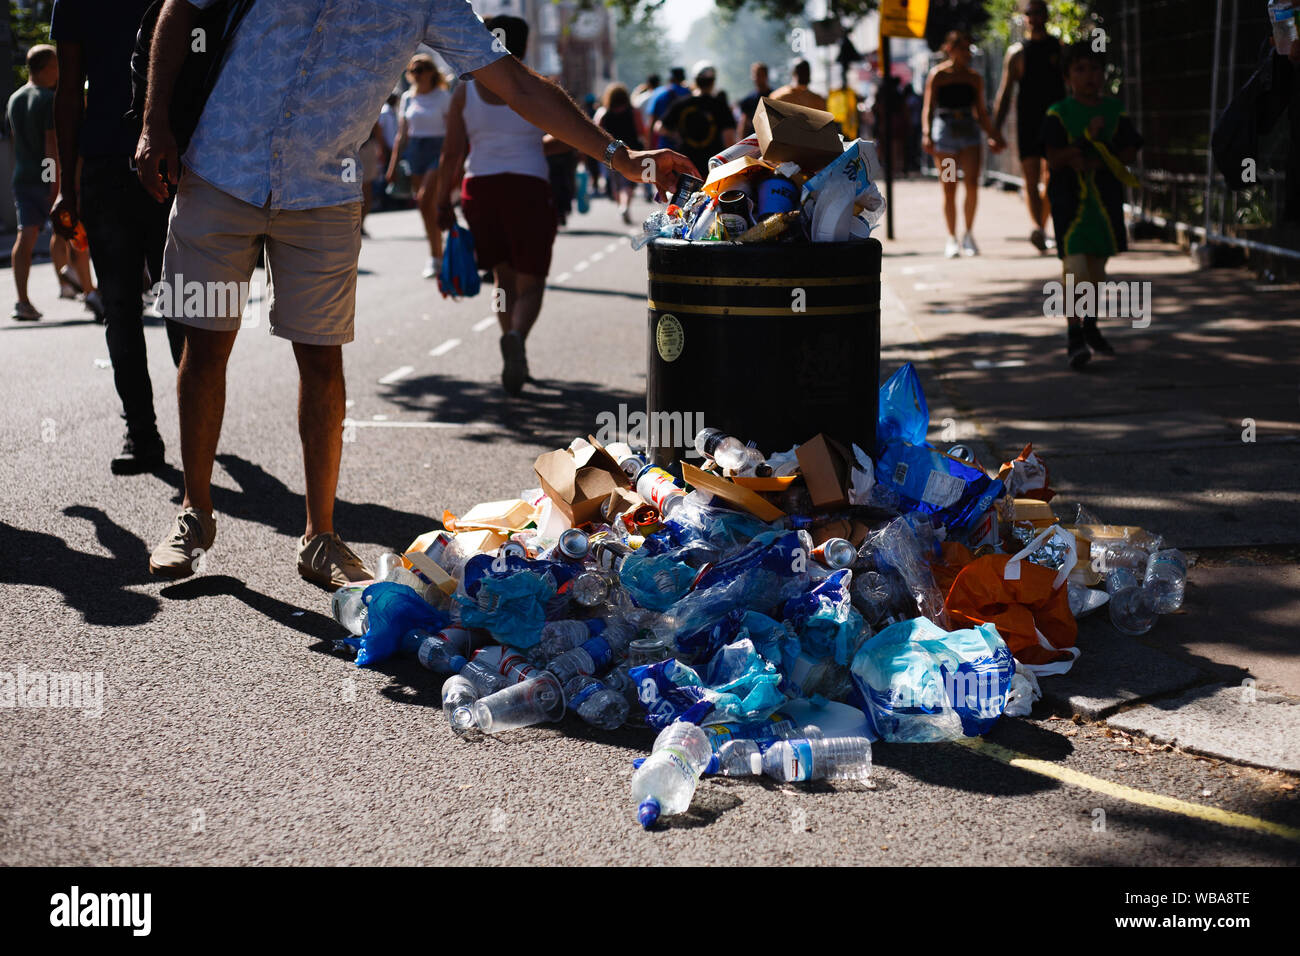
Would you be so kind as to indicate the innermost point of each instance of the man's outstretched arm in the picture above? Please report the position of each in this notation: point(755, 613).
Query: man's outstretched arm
point(157, 146)
point(548, 107)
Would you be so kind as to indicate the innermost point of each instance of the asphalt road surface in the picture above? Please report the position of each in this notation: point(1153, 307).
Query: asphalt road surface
point(230, 733)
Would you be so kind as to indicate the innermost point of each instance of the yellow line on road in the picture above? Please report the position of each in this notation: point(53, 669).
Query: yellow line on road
point(1129, 794)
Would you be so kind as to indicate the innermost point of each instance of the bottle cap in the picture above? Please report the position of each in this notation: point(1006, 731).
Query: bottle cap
point(755, 763)
point(648, 813)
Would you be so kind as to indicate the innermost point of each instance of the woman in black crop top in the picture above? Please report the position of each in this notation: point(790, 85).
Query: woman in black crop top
point(956, 127)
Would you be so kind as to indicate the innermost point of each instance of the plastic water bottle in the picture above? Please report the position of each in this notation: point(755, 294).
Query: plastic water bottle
point(1119, 579)
point(1121, 554)
point(1166, 579)
point(818, 758)
point(534, 701)
point(444, 652)
point(730, 453)
point(591, 588)
point(1282, 14)
point(348, 609)
point(560, 636)
point(596, 703)
point(740, 758)
point(1132, 611)
point(458, 693)
point(589, 657)
point(665, 783)
point(393, 569)
point(497, 667)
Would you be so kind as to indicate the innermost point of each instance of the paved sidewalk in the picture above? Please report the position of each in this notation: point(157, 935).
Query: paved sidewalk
point(1190, 431)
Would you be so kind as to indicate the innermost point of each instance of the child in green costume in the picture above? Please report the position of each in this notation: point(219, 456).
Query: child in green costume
point(1089, 140)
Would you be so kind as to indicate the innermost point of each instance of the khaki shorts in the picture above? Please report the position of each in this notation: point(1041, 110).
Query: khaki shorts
point(213, 241)
point(1085, 268)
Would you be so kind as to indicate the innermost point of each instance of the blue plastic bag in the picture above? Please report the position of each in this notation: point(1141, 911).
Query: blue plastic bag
point(459, 275)
point(656, 581)
point(903, 412)
point(747, 689)
point(393, 610)
point(824, 617)
point(510, 607)
point(923, 684)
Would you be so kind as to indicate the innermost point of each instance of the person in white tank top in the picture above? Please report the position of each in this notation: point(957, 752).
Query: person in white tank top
point(421, 128)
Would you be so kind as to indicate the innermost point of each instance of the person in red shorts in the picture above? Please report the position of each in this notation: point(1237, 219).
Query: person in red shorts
point(506, 196)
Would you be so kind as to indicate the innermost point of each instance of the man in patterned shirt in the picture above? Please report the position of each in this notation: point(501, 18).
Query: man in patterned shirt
point(274, 161)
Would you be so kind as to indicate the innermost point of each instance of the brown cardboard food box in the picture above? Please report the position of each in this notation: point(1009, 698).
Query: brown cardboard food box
point(826, 466)
point(796, 134)
point(580, 483)
point(855, 532)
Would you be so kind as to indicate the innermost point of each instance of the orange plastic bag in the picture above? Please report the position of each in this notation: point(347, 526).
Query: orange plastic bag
point(1028, 603)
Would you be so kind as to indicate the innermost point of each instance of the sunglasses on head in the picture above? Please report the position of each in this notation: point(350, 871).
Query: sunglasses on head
point(421, 68)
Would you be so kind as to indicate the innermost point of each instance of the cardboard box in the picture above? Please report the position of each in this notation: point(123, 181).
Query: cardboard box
point(730, 175)
point(796, 134)
point(827, 467)
point(729, 491)
point(424, 565)
point(513, 514)
point(480, 542)
point(580, 483)
point(855, 532)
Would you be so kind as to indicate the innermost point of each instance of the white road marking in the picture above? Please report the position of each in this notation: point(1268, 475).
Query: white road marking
point(597, 256)
point(378, 418)
point(485, 324)
point(930, 286)
point(612, 247)
point(444, 348)
point(562, 277)
point(1008, 363)
point(388, 424)
point(581, 265)
point(397, 374)
point(913, 270)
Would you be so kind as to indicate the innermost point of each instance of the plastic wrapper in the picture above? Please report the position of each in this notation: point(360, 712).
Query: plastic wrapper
point(656, 581)
point(1023, 693)
point(510, 606)
point(906, 546)
point(671, 690)
point(862, 478)
point(932, 483)
point(923, 684)
point(824, 618)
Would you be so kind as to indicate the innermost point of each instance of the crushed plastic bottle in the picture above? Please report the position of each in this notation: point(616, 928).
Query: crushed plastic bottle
point(665, 783)
point(740, 758)
point(444, 652)
point(818, 758)
point(349, 610)
point(728, 452)
point(590, 656)
point(534, 701)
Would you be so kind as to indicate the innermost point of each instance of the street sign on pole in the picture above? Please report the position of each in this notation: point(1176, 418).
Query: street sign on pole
point(903, 18)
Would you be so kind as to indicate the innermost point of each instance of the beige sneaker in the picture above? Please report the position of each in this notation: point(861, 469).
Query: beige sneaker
point(178, 554)
point(327, 561)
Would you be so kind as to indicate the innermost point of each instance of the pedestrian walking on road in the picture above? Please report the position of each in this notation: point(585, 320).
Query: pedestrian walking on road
point(421, 128)
point(1032, 71)
point(1087, 135)
point(30, 117)
point(620, 119)
point(662, 100)
point(125, 227)
point(748, 105)
point(797, 91)
point(266, 170)
point(956, 124)
point(701, 123)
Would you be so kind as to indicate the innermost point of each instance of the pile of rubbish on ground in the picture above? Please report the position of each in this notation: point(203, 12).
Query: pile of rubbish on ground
point(766, 614)
point(794, 180)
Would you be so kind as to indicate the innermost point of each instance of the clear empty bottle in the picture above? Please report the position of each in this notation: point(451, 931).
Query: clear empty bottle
point(665, 783)
point(818, 758)
point(590, 656)
point(348, 608)
point(1132, 611)
point(1282, 15)
point(560, 636)
point(591, 589)
point(497, 667)
point(740, 758)
point(534, 701)
point(444, 652)
point(394, 570)
point(596, 702)
point(1166, 580)
point(458, 693)
point(1119, 579)
point(730, 453)
point(1121, 554)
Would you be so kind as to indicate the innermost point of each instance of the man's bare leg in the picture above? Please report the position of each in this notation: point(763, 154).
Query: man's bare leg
point(321, 405)
point(201, 397)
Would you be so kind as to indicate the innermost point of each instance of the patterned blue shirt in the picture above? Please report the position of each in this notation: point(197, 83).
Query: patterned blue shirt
point(302, 86)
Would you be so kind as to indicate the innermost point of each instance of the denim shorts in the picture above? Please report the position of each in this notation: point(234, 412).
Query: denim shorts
point(955, 130)
point(422, 154)
point(33, 205)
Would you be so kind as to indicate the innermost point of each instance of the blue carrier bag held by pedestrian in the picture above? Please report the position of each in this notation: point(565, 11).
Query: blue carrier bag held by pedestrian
point(459, 275)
